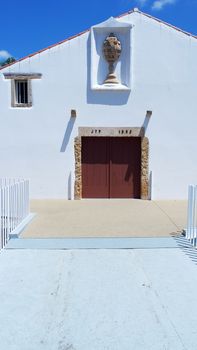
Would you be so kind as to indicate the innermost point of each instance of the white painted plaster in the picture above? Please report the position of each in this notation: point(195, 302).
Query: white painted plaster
point(37, 142)
point(17, 231)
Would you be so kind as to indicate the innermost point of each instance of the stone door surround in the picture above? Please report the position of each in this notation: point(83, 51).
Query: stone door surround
point(108, 131)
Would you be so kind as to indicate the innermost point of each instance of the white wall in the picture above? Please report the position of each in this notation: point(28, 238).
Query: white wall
point(37, 142)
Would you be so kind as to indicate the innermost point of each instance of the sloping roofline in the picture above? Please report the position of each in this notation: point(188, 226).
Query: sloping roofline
point(87, 30)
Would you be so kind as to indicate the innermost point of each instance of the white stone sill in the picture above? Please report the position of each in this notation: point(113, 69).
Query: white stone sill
point(111, 87)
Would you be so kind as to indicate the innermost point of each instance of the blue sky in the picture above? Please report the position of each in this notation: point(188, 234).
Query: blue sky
point(28, 26)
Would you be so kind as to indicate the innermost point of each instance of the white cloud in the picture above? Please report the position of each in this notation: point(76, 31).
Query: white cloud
point(4, 55)
point(159, 4)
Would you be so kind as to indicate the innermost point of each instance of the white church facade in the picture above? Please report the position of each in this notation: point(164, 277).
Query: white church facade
point(109, 113)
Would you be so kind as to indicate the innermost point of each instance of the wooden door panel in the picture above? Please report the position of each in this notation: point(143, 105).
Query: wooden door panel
point(125, 167)
point(95, 167)
point(111, 167)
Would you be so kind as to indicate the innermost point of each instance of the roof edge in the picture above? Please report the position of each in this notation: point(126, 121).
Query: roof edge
point(87, 30)
point(46, 48)
point(167, 24)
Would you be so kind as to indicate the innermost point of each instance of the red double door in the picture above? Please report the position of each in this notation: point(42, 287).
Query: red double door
point(111, 167)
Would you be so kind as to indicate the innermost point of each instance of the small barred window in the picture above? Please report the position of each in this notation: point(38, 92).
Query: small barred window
point(21, 92)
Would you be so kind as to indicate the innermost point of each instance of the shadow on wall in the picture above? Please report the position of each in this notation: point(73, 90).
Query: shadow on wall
point(113, 98)
point(67, 134)
point(70, 186)
point(146, 120)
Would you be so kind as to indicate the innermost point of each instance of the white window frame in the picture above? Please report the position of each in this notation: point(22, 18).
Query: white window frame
point(16, 77)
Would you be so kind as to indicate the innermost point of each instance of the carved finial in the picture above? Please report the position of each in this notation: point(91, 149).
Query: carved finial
point(111, 50)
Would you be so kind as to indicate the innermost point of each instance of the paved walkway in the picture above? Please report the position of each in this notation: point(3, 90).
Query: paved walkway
point(142, 299)
point(106, 218)
point(94, 243)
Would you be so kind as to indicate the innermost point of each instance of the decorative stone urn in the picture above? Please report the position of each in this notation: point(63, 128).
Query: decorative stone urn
point(111, 50)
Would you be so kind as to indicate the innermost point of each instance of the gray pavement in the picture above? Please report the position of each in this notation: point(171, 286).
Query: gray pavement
point(108, 277)
point(141, 299)
point(93, 243)
point(106, 218)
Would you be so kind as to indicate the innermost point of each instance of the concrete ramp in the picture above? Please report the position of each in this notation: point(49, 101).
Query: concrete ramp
point(141, 299)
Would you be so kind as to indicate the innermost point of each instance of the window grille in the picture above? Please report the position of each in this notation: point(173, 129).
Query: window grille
point(21, 92)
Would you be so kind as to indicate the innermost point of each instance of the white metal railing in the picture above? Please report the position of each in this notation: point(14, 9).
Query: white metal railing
point(14, 206)
point(191, 231)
